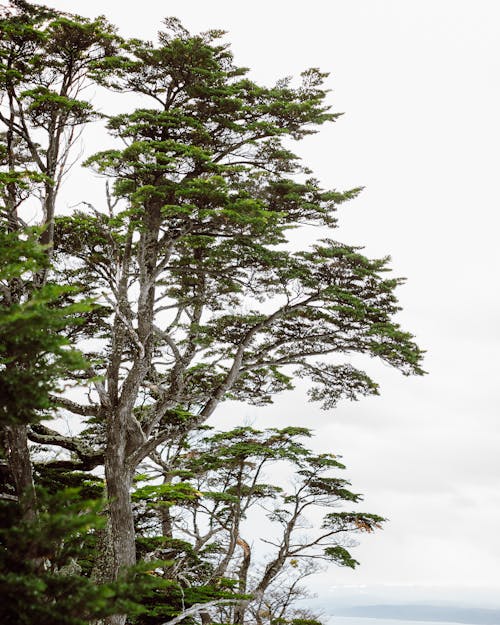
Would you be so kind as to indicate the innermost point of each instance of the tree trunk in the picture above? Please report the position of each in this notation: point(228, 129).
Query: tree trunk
point(240, 609)
point(21, 468)
point(118, 482)
point(165, 516)
point(206, 619)
point(103, 567)
point(121, 518)
point(47, 236)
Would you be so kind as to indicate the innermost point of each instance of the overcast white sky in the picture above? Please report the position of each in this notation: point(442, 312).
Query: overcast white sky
point(419, 83)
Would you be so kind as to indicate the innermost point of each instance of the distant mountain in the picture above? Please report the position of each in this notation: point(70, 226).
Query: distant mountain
point(444, 614)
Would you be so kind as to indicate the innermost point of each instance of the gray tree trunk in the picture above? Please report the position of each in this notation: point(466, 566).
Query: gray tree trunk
point(21, 468)
point(121, 519)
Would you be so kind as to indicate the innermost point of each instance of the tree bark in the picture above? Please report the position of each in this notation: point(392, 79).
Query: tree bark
point(240, 609)
point(118, 482)
point(121, 518)
point(21, 468)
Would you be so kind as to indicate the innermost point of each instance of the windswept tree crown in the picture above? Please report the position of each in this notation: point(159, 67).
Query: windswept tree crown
point(182, 290)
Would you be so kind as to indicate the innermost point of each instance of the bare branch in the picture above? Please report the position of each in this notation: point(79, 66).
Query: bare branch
point(133, 334)
point(199, 607)
point(75, 408)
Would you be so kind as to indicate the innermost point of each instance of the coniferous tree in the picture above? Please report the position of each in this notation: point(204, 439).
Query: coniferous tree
point(46, 59)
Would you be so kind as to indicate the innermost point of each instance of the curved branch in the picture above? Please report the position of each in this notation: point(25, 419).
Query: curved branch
point(235, 369)
point(79, 409)
point(88, 458)
point(198, 607)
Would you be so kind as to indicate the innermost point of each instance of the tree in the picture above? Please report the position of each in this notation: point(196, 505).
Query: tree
point(46, 534)
point(206, 301)
point(202, 297)
point(34, 354)
point(45, 58)
point(211, 488)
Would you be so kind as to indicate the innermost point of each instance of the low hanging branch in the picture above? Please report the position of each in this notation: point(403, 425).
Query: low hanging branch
point(201, 607)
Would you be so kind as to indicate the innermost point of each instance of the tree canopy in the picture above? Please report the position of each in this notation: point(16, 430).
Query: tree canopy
point(180, 291)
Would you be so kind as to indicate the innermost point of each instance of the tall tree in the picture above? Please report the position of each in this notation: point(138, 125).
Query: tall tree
point(46, 61)
point(202, 296)
point(207, 299)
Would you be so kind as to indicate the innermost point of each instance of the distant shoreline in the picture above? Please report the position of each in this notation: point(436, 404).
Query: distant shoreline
point(360, 620)
point(423, 613)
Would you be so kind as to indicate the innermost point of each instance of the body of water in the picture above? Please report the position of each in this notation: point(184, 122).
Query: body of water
point(356, 620)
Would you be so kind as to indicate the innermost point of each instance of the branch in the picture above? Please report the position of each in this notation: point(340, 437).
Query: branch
point(24, 132)
point(46, 436)
point(296, 549)
point(88, 458)
point(84, 411)
point(8, 497)
point(235, 369)
point(133, 334)
point(100, 388)
point(148, 446)
point(198, 607)
point(169, 341)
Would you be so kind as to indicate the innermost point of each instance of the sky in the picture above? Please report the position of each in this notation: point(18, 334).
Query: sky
point(418, 82)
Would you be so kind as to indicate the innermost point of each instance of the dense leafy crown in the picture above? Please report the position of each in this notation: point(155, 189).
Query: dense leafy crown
point(194, 256)
point(183, 291)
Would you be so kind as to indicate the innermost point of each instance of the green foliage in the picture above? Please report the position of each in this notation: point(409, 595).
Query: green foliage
point(210, 184)
point(228, 468)
point(341, 556)
point(166, 599)
point(34, 353)
point(41, 563)
point(206, 299)
point(166, 494)
point(38, 45)
point(53, 480)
